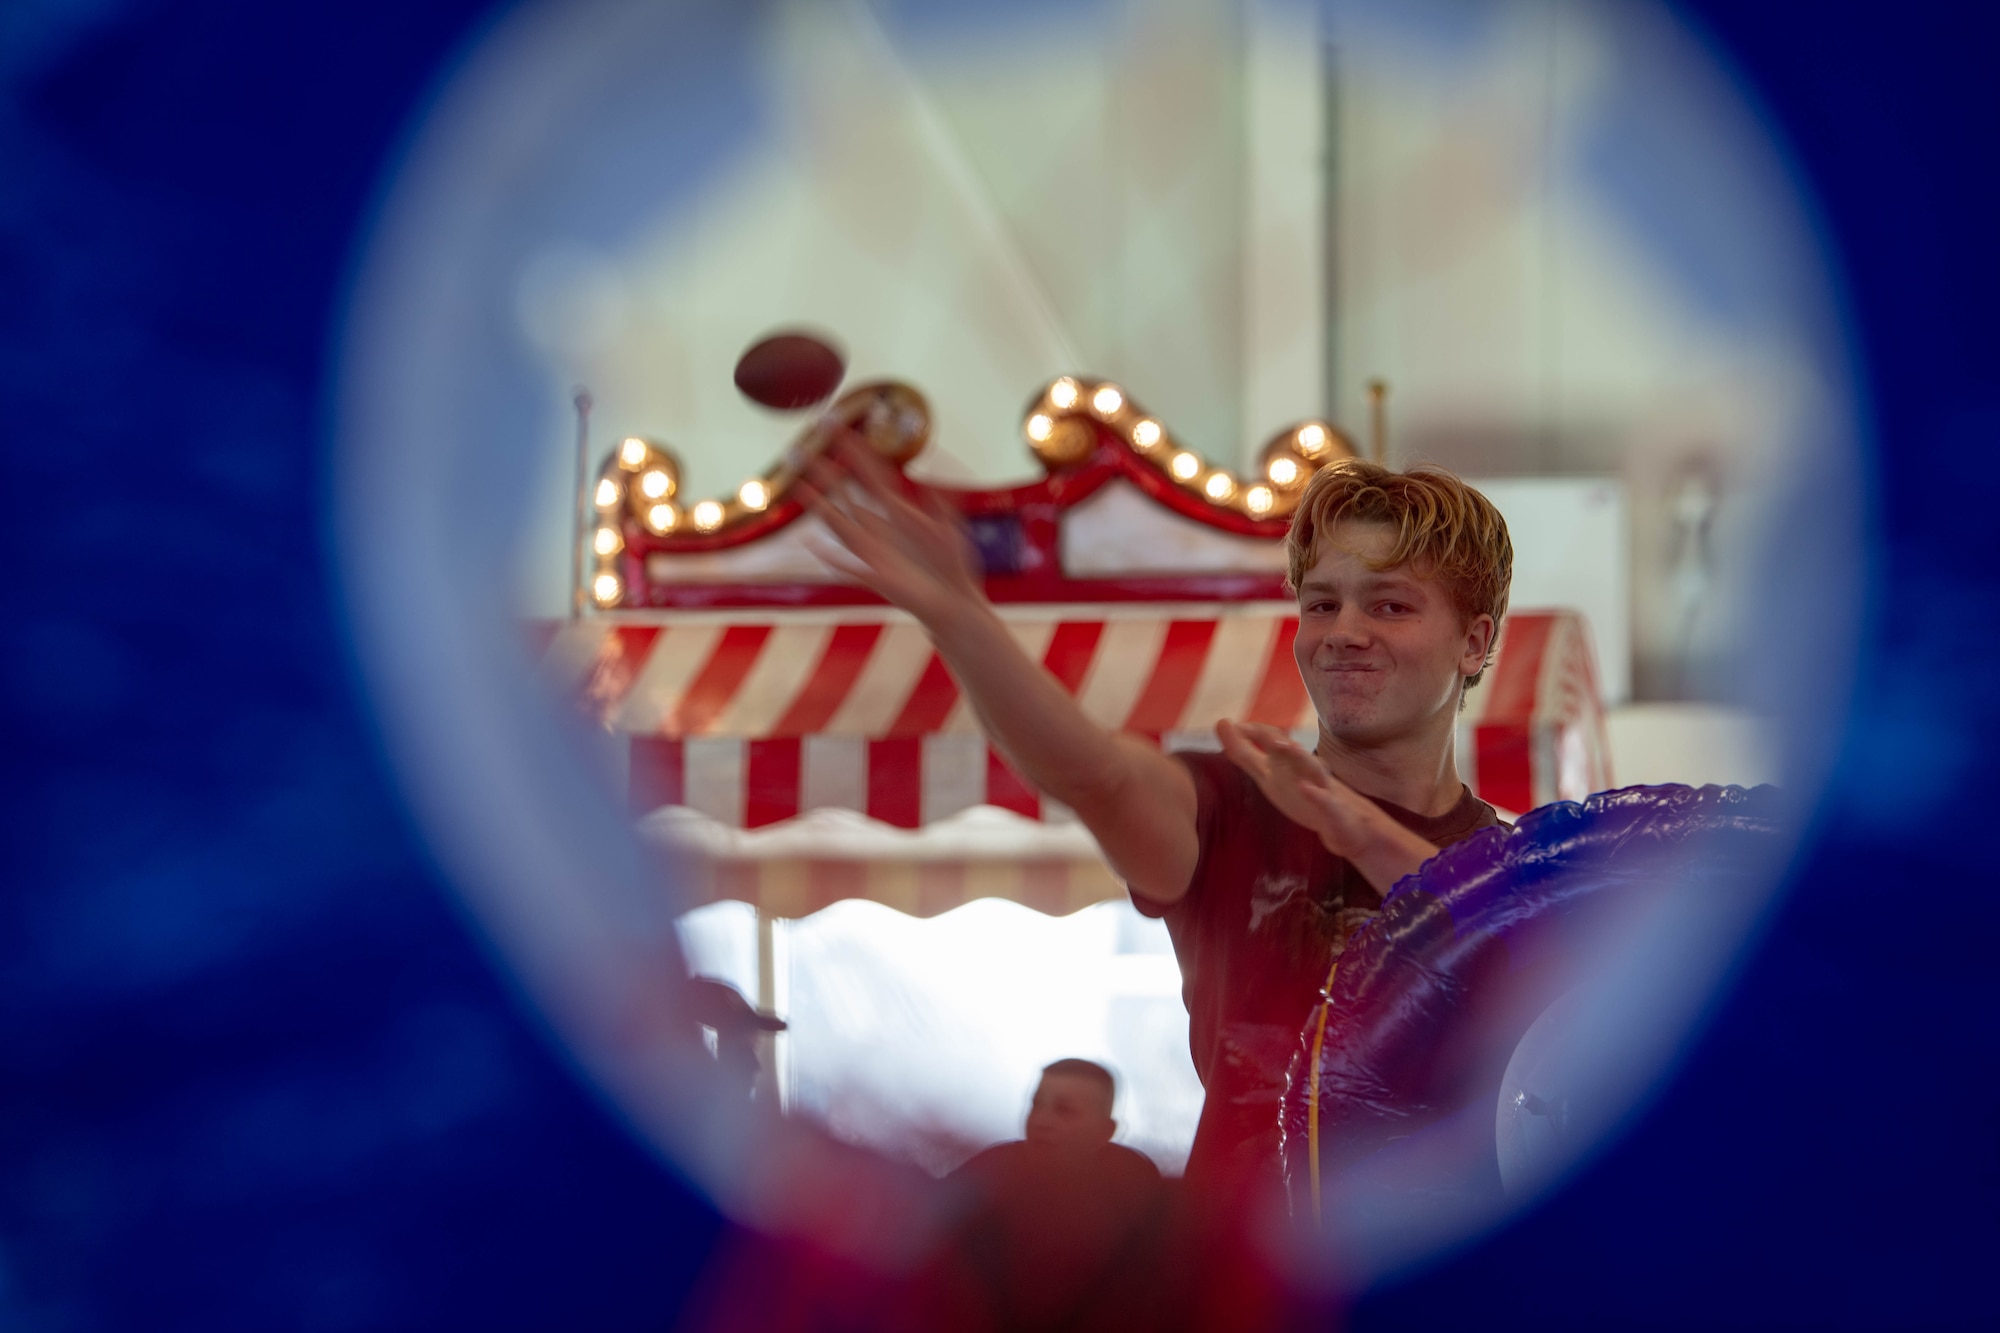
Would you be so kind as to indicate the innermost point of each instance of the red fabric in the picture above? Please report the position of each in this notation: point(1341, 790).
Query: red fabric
point(770, 781)
point(1175, 673)
point(929, 703)
point(657, 777)
point(895, 781)
point(719, 678)
point(839, 666)
point(1267, 910)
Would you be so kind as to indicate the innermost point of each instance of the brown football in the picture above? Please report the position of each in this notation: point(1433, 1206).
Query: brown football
point(789, 371)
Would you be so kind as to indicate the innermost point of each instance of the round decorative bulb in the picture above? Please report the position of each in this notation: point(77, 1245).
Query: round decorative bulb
point(1258, 499)
point(606, 589)
point(656, 485)
point(708, 516)
point(607, 494)
point(1184, 466)
point(1107, 400)
point(1219, 486)
point(662, 518)
point(1063, 393)
point(607, 542)
point(1311, 438)
point(1283, 471)
point(1040, 427)
point(754, 495)
point(1147, 434)
point(631, 452)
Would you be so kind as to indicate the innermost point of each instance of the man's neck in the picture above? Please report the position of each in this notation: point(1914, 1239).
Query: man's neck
point(1419, 773)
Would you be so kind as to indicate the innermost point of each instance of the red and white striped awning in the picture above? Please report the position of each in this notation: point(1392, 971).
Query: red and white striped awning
point(752, 718)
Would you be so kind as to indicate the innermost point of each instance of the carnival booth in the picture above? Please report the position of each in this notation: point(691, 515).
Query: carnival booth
point(804, 742)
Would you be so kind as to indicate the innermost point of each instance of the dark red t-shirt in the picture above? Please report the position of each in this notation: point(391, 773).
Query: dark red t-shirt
point(1266, 912)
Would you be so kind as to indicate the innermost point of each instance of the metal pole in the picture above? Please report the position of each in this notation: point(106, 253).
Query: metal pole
point(1378, 421)
point(583, 504)
point(770, 1083)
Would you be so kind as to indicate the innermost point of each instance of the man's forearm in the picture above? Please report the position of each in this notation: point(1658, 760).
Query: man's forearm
point(1137, 803)
point(1034, 721)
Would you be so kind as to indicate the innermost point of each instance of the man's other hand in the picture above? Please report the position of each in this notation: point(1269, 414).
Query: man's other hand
point(1348, 824)
point(915, 556)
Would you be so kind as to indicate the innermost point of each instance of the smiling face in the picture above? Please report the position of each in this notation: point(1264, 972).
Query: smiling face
point(1384, 652)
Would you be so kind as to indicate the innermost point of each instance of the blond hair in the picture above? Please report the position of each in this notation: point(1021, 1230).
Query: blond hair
point(1444, 530)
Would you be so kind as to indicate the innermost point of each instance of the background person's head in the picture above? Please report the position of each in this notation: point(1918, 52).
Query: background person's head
point(1072, 1106)
point(1402, 575)
point(721, 1009)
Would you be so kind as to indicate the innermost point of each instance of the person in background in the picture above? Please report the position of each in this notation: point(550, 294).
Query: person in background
point(1058, 1229)
point(721, 1009)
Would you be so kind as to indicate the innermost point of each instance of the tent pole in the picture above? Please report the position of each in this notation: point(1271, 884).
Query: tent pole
point(769, 1085)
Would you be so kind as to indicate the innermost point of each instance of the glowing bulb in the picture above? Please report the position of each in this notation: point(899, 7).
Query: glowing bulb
point(1283, 471)
point(607, 542)
point(662, 518)
point(656, 485)
point(632, 453)
point(1040, 427)
point(708, 516)
point(1063, 393)
point(1184, 466)
point(1147, 434)
point(606, 588)
point(1219, 486)
point(754, 495)
point(1258, 498)
point(607, 493)
point(1107, 400)
point(1312, 439)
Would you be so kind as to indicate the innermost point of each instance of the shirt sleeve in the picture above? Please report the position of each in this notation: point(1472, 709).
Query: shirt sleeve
point(1207, 796)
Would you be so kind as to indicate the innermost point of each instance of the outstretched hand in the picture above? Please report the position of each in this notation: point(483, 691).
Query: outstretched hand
point(915, 556)
point(1348, 824)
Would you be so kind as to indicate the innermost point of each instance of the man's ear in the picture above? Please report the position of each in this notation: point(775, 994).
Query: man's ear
point(1478, 643)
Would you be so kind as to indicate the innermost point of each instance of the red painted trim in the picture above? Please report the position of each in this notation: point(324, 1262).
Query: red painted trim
point(1009, 589)
point(1059, 490)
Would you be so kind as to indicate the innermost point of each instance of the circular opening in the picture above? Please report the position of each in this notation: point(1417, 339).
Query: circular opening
point(1557, 233)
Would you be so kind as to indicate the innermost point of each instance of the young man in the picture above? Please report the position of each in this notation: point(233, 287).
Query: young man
point(1060, 1228)
point(1264, 859)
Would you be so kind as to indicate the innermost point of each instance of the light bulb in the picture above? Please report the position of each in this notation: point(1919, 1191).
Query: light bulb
point(607, 542)
point(1283, 471)
point(1311, 438)
point(1219, 486)
point(1147, 434)
point(606, 589)
point(1258, 498)
point(663, 518)
point(1107, 400)
point(708, 516)
point(1185, 466)
point(1063, 393)
point(1040, 427)
point(754, 495)
point(656, 485)
point(632, 452)
point(607, 494)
